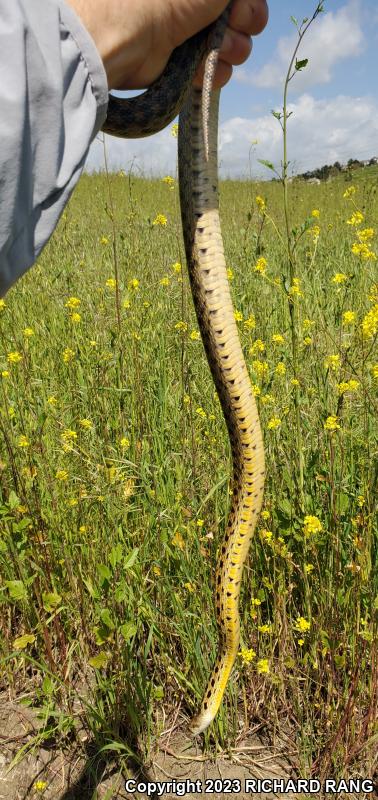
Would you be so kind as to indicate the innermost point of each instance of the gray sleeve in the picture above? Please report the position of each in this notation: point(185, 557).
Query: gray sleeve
point(53, 101)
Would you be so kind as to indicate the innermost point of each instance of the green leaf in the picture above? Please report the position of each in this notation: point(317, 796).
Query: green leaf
point(16, 590)
point(276, 114)
point(294, 21)
point(116, 554)
point(301, 64)
point(13, 500)
point(22, 642)
point(51, 600)
point(104, 573)
point(99, 661)
point(265, 163)
point(106, 619)
point(128, 630)
point(131, 558)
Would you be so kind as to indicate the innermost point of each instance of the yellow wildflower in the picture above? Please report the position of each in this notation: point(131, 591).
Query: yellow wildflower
point(302, 625)
point(156, 570)
point(23, 441)
point(314, 231)
point(365, 235)
point(5, 373)
point(201, 412)
point(133, 284)
point(260, 367)
point(370, 323)
point(28, 332)
point(14, 357)
point(257, 347)
point(274, 423)
point(164, 281)
point(308, 324)
point(308, 568)
point(238, 316)
point(266, 534)
point(339, 277)
point(261, 204)
point(267, 628)
point(40, 786)
point(125, 442)
point(111, 283)
point(307, 341)
point(356, 218)
point(277, 338)
point(72, 302)
point(332, 362)
point(361, 249)
point(311, 525)
point(169, 180)
point(61, 475)
point(2, 304)
point(52, 400)
point(68, 355)
point(295, 290)
point(280, 368)
point(250, 323)
point(177, 267)
point(349, 317)
point(75, 317)
point(315, 213)
point(160, 219)
point(247, 654)
point(261, 265)
point(267, 398)
point(265, 514)
point(255, 601)
point(178, 540)
point(104, 240)
point(230, 274)
point(86, 423)
point(331, 424)
point(263, 666)
point(351, 190)
point(174, 130)
point(194, 336)
point(374, 370)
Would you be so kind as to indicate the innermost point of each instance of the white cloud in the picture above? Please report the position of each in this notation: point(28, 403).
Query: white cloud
point(319, 132)
point(333, 36)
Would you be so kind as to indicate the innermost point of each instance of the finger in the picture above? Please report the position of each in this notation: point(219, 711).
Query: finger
point(249, 17)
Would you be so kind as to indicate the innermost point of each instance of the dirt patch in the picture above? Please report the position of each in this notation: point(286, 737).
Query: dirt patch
point(74, 772)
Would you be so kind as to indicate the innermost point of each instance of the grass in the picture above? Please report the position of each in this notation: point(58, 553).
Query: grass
point(115, 465)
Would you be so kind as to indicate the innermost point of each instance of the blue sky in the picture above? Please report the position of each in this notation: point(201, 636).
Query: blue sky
point(334, 101)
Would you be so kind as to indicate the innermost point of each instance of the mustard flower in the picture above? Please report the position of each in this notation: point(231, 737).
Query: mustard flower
point(339, 277)
point(257, 347)
point(370, 323)
point(160, 219)
point(247, 655)
point(263, 666)
point(315, 213)
point(277, 338)
point(28, 332)
point(86, 423)
point(111, 283)
point(331, 424)
point(261, 204)
point(104, 240)
point(355, 219)
point(250, 322)
point(3, 304)
point(349, 317)
point(194, 336)
point(164, 281)
point(302, 625)
point(125, 442)
point(295, 290)
point(14, 357)
point(349, 192)
point(261, 265)
point(169, 180)
point(238, 316)
point(133, 284)
point(177, 267)
point(274, 423)
point(174, 130)
point(332, 362)
point(72, 302)
point(311, 525)
point(61, 475)
point(23, 441)
point(68, 355)
point(280, 368)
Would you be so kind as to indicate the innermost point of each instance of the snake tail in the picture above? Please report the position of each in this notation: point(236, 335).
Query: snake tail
point(215, 314)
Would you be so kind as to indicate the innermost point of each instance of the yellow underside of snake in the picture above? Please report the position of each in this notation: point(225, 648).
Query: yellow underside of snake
point(198, 179)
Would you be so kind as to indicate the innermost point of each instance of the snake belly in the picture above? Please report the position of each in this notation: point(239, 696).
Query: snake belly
point(198, 181)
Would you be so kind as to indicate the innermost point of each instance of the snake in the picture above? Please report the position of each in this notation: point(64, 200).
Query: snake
point(174, 92)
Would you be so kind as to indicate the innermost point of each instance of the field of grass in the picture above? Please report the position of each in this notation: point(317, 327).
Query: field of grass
point(115, 470)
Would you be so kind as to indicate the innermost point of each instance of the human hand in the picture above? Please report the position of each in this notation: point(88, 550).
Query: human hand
point(135, 38)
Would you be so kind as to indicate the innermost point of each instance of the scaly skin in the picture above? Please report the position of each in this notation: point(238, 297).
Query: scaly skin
point(212, 299)
point(198, 178)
